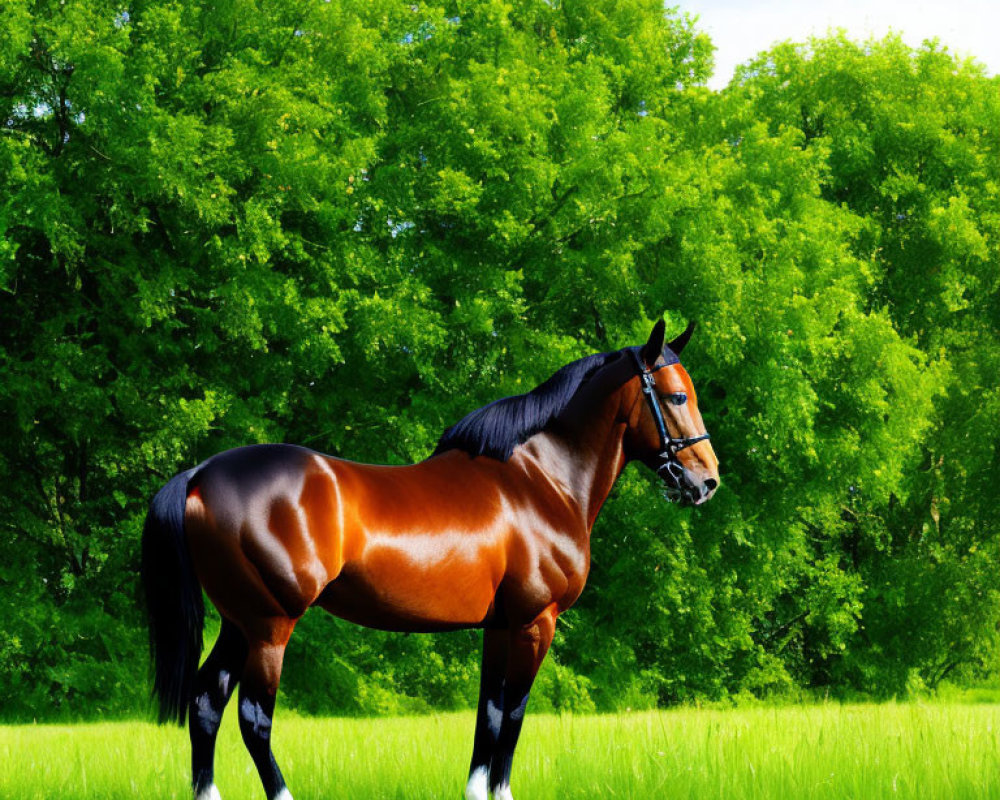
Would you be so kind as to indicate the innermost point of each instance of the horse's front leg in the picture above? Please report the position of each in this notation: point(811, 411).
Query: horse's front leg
point(527, 646)
point(490, 712)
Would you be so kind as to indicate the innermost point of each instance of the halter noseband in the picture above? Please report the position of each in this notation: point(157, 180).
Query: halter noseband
point(670, 446)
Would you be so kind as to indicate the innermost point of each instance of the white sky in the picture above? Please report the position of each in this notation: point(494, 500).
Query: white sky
point(740, 30)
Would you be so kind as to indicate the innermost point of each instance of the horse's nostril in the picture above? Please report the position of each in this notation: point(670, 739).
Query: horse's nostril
point(710, 484)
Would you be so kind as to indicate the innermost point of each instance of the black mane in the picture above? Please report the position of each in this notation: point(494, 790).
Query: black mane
point(496, 429)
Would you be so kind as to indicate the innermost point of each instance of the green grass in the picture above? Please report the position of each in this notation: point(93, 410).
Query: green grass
point(912, 750)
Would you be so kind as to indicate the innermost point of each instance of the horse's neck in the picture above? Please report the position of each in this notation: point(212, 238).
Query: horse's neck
point(583, 455)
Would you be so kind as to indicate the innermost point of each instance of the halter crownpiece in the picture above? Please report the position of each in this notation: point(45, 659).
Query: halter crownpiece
point(670, 446)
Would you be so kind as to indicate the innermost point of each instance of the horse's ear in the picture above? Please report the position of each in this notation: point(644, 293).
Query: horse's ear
point(652, 349)
point(681, 341)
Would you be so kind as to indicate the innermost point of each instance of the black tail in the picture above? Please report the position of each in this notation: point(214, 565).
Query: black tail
point(174, 604)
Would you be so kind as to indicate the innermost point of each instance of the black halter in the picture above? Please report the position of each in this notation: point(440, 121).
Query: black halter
point(670, 446)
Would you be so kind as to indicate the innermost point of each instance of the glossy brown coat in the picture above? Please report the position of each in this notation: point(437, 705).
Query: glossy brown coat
point(423, 547)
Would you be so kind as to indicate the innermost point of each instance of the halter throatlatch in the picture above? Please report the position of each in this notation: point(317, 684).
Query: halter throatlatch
point(670, 446)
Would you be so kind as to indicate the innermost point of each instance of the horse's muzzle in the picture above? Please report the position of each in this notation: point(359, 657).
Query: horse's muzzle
point(681, 488)
point(704, 491)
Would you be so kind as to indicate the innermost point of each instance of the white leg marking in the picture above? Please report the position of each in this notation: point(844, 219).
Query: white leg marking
point(476, 788)
point(210, 793)
point(502, 793)
point(284, 794)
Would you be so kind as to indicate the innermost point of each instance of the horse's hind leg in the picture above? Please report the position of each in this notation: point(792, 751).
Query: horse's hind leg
point(258, 688)
point(215, 683)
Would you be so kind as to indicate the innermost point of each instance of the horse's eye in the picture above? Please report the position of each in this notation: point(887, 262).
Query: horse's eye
point(677, 398)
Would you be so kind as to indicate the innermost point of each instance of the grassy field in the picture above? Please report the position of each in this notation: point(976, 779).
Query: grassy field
point(830, 751)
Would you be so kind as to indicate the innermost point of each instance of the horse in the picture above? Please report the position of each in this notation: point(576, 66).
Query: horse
point(492, 531)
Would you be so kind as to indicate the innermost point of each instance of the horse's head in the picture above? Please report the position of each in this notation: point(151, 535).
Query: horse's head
point(665, 429)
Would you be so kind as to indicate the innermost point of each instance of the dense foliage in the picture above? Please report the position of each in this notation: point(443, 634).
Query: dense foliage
point(346, 224)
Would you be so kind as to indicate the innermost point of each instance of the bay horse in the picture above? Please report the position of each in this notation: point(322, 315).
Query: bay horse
point(492, 531)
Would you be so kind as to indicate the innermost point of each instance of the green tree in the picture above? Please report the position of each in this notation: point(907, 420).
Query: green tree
point(244, 222)
point(347, 224)
point(905, 138)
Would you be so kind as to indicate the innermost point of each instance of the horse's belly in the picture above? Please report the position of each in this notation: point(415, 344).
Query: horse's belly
point(390, 590)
